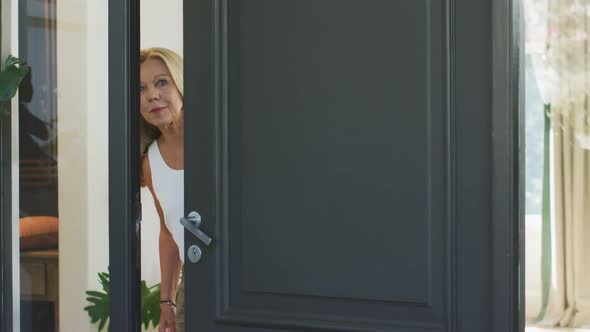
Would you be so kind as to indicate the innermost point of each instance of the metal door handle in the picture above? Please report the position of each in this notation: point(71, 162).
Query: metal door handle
point(192, 223)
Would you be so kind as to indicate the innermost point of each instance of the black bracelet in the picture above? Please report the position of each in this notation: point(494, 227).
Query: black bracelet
point(168, 302)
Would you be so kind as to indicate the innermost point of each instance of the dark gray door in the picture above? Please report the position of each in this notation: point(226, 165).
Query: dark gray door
point(340, 154)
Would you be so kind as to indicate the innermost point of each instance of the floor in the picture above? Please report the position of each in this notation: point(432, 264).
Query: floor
point(544, 329)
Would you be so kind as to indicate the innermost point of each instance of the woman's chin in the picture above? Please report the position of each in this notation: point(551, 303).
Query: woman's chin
point(161, 122)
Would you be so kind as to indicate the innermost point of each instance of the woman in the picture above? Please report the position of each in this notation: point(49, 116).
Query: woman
point(162, 139)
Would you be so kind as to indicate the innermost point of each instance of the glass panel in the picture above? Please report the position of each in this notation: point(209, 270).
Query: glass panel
point(161, 26)
point(534, 158)
point(535, 14)
point(63, 152)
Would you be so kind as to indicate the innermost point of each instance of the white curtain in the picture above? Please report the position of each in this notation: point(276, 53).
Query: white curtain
point(557, 39)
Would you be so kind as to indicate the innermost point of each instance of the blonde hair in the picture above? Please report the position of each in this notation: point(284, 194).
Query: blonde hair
point(173, 61)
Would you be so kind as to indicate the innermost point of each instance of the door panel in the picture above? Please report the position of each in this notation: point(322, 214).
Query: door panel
point(329, 162)
point(323, 149)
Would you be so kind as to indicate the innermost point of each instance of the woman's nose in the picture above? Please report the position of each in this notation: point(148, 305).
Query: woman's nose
point(153, 94)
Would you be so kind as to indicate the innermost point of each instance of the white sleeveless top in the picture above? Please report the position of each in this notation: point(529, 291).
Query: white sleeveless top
point(168, 187)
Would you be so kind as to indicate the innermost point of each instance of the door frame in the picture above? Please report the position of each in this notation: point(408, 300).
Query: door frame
point(6, 244)
point(7, 247)
point(508, 178)
point(124, 167)
point(6, 301)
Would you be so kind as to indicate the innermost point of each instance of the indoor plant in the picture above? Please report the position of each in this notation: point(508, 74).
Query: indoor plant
point(99, 307)
point(10, 78)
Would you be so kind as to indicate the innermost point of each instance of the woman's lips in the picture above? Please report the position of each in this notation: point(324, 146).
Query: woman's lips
point(158, 109)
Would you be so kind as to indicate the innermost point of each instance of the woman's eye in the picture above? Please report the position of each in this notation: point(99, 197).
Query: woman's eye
point(162, 82)
point(141, 88)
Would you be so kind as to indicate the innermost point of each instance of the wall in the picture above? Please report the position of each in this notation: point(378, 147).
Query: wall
point(161, 24)
point(82, 67)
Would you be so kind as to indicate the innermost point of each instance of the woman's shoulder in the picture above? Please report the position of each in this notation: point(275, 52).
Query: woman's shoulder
point(150, 151)
point(151, 146)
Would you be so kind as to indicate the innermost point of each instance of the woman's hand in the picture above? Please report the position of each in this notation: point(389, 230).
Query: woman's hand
point(167, 318)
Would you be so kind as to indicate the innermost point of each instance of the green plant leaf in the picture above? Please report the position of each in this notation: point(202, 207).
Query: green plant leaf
point(99, 309)
point(145, 318)
point(11, 77)
point(12, 61)
point(101, 325)
point(150, 304)
point(104, 280)
point(97, 294)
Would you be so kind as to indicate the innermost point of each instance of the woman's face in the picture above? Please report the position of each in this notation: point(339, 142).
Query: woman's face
point(161, 102)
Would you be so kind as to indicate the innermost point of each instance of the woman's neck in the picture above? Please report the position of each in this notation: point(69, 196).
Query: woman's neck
point(173, 134)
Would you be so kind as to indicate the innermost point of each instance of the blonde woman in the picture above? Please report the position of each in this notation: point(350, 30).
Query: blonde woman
point(162, 139)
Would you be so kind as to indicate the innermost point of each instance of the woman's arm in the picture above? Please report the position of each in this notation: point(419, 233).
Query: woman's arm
point(170, 263)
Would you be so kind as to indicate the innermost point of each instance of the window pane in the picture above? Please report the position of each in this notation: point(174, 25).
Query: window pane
point(63, 152)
